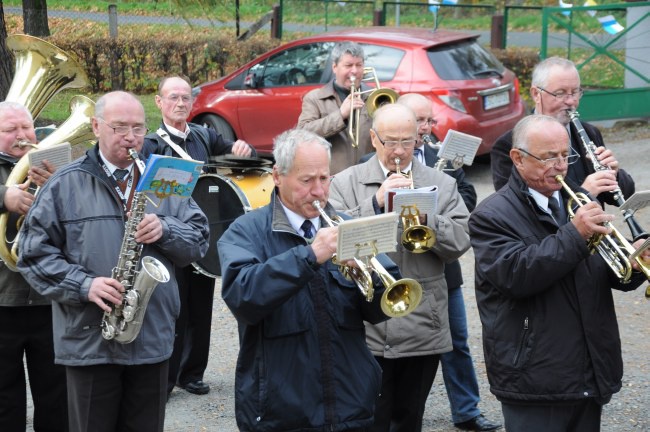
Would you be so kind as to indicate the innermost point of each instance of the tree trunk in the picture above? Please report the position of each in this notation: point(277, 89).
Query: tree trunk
point(6, 58)
point(35, 18)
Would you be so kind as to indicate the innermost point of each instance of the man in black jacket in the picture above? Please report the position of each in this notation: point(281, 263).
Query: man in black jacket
point(176, 137)
point(550, 335)
point(555, 89)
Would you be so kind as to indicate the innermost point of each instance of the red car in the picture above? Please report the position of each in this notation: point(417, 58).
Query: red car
point(471, 90)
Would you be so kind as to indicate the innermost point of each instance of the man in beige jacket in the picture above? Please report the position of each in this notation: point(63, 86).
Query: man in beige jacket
point(326, 110)
point(407, 348)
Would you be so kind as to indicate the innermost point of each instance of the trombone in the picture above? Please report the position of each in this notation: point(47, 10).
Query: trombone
point(617, 252)
point(378, 97)
point(417, 237)
point(400, 297)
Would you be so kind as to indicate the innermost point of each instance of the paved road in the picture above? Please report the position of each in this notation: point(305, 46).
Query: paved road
point(514, 39)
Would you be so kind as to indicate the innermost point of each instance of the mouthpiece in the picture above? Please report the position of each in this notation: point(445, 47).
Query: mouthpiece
point(22, 144)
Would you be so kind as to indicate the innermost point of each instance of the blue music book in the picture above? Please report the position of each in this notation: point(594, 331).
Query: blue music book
point(165, 176)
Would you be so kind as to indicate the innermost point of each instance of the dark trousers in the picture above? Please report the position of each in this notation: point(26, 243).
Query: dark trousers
point(583, 416)
point(26, 333)
point(192, 343)
point(405, 386)
point(117, 398)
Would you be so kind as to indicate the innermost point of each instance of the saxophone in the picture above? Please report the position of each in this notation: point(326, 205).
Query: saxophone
point(124, 321)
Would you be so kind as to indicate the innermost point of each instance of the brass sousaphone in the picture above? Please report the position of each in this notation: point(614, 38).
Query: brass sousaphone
point(42, 71)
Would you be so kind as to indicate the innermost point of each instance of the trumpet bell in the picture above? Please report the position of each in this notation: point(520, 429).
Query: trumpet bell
point(418, 239)
point(379, 97)
point(401, 298)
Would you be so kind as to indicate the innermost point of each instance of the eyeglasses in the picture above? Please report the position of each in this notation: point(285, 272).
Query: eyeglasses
point(564, 96)
point(175, 98)
point(123, 130)
point(429, 121)
point(568, 159)
point(406, 144)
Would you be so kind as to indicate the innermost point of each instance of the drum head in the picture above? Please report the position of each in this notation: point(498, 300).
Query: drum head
point(222, 202)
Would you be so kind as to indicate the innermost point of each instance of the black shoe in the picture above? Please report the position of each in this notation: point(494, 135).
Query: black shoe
point(478, 423)
point(197, 387)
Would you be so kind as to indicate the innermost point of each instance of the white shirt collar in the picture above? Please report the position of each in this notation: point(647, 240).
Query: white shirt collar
point(296, 220)
point(112, 167)
point(181, 134)
point(542, 200)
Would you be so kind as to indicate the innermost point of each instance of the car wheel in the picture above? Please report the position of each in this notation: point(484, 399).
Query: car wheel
point(218, 124)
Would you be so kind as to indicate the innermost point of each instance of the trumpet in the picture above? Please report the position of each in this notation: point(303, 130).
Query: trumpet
point(400, 297)
point(617, 252)
point(360, 274)
point(378, 97)
point(417, 237)
point(590, 150)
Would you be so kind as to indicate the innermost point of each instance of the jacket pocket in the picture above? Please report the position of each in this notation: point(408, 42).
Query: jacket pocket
point(522, 347)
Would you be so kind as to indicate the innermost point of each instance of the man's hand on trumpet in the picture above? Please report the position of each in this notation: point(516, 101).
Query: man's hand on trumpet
point(352, 101)
point(589, 220)
point(324, 244)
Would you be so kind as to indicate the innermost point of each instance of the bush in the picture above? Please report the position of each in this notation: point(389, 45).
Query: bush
point(521, 61)
point(137, 64)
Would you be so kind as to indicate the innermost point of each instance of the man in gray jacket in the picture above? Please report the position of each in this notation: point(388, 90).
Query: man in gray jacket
point(408, 348)
point(71, 240)
point(25, 315)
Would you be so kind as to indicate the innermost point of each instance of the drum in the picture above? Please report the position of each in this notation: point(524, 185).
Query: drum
point(225, 195)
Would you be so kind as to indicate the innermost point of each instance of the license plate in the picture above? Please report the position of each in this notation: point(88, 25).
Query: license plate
point(496, 100)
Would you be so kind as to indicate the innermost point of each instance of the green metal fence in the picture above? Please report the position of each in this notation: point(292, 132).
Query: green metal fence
point(614, 66)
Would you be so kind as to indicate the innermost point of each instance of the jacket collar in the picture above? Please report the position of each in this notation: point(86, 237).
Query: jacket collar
point(281, 223)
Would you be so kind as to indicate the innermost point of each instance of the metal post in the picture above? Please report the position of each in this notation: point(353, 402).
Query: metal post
point(112, 25)
point(496, 35)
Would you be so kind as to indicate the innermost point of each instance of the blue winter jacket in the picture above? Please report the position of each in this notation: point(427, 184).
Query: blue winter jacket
point(303, 363)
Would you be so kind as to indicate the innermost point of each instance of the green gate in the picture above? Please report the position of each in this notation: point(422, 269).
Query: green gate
point(609, 45)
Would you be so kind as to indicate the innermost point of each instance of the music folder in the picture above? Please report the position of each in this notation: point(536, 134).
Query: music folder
point(425, 199)
point(166, 175)
point(367, 236)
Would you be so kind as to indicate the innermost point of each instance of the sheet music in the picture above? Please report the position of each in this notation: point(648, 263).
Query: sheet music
point(358, 236)
point(637, 201)
point(58, 155)
point(457, 144)
point(424, 198)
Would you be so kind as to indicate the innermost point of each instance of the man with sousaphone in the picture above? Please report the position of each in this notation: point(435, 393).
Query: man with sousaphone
point(176, 137)
point(408, 349)
point(25, 315)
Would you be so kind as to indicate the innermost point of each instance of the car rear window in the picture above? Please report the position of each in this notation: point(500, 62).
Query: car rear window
point(463, 61)
point(384, 59)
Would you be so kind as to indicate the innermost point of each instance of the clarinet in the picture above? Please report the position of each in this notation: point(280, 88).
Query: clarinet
point(590, 150)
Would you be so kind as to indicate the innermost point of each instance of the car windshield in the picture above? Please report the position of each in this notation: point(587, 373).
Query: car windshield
point(462, 61)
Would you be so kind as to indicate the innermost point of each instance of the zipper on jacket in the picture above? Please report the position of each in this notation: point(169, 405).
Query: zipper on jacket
point(522, 340)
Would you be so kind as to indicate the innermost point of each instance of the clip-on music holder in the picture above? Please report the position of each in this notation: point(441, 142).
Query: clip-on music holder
point(459, 148)
point(367, 236)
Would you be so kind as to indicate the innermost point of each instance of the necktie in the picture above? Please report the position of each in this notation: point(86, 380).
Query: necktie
point(308, 228)
point(120, 174)
point(417, 154)
point(556, 210)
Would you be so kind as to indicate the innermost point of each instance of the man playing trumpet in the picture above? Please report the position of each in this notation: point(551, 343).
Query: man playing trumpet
point(408, 348)
point(550, 335)
point(25, 315)
point(303, 362)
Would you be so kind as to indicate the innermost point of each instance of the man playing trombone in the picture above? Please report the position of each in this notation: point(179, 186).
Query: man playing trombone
point(303, 362)
point(550, 335)
point(408, 348)
point(329, 110)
